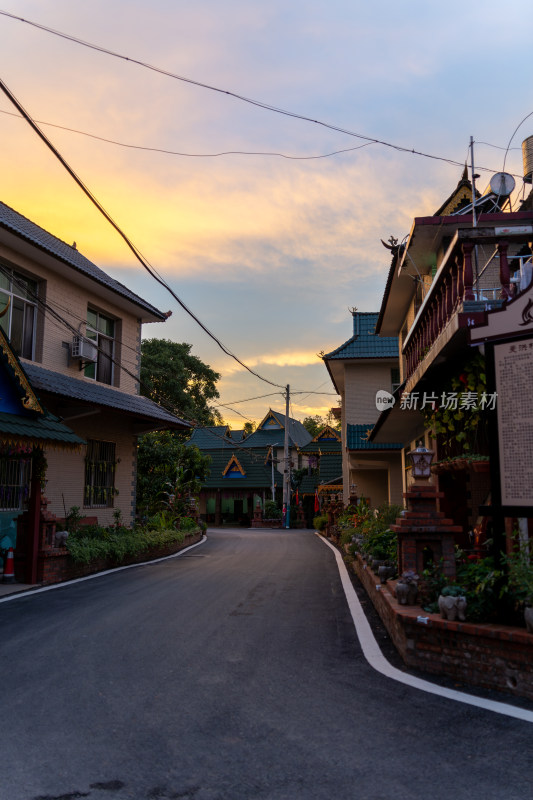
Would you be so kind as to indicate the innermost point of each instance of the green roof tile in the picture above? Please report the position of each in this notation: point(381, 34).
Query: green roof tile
point(357, 436)
point(365, 343)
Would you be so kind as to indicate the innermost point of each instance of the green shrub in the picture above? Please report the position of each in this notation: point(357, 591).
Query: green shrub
point(85, 547)
point(319, 523)
point(187, 524)
point(372, 527)
point(271, 510)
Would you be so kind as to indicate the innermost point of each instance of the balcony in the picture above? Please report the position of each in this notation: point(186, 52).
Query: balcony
point(464, 287)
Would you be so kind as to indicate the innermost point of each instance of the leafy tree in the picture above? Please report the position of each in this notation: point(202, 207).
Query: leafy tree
point(314, 424)
point(249, 427)
point(163, 459)
point(172, 376)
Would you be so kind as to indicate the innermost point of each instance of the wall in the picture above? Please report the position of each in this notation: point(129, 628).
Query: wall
point(361, 382)
point(56, 566)
point(380, 480)
point(491, 656)
point(66, 470)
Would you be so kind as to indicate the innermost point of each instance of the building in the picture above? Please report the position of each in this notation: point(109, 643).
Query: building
point(457, 269)
point(322, 478)
point(249, 469)
point(360, 369)
point(77, 333)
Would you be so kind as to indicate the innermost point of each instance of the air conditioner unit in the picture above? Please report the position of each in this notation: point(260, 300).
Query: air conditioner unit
point(84, 349)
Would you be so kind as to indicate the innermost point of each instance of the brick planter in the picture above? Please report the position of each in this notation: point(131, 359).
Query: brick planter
point(492, 656)
point(54, 564)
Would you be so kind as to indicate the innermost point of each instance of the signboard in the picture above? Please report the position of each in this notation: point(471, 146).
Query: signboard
point(513, 372)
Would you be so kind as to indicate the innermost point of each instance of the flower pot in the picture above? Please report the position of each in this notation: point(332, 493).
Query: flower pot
point(481, 466)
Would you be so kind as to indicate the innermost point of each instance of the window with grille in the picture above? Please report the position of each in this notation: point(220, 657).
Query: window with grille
point(18, 294)
point(99, 474)
point(101, 330)
point(15, 475)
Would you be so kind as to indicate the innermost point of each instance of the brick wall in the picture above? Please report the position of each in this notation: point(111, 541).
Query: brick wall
point(55, 565)
point(492, 656)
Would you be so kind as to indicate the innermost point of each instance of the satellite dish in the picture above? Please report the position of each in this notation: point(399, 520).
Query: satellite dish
point(502, 184)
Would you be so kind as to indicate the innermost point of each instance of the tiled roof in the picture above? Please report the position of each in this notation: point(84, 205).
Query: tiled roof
point(324, 446)
point(93, 393)
point(263, 437)
point(210, 438)
point(357, 436)
point(329, 470)
point(256, 474)
point(365, 343)
point(45, 430)
point(12, 221)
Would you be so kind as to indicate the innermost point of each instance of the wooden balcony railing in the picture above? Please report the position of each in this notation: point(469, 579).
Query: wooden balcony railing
point(453, 286)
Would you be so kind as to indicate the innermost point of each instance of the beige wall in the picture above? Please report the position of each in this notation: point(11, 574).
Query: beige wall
point(379, 479)
point(361, 382)
point(66, 471)
point(69, 299)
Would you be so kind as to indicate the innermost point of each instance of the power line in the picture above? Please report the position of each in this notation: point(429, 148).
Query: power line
point(235, 95)
point(190, 155)
point(249, 399)
point(512, 137)
point(151, 271)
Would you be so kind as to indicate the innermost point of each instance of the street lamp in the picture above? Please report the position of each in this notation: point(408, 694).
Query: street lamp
point(421, 459)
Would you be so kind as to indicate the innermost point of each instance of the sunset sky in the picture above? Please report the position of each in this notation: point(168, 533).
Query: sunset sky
point(269, 251)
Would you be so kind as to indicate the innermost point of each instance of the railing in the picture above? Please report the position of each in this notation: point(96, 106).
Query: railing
point(452, 286)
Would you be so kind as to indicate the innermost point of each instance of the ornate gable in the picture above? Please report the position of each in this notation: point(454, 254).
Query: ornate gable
point(270, 422)
point(17, 395)
point(233, 468)
point(327, 434)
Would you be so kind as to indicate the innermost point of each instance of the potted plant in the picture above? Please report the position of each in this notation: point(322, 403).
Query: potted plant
point(520, 570)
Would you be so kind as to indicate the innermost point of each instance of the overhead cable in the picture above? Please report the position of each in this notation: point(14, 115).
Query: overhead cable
point(191, 155)
point(249, 100)
point(151, 271)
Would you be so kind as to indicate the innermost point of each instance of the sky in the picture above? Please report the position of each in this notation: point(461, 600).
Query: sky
point(272, 243)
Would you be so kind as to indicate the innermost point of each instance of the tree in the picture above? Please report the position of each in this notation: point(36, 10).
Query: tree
point(163, 459)
point(249, 427)
point(178, 380)
point(313, 424)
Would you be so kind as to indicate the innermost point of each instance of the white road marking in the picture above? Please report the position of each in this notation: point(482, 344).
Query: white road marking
point(31, 592)
point(377, 660)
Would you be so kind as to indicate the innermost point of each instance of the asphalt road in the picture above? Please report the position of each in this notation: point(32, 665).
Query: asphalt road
point(232, 672)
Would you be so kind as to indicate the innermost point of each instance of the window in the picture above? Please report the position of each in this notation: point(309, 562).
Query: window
point(19, 295)
point(394, 379)
point(101, 330)
point(15, 474)
point(99, 474)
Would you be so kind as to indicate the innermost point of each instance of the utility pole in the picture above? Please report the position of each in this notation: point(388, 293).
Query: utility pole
point(286, 467)
point(474, 214)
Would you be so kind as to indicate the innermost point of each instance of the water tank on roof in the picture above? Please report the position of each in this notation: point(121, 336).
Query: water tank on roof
point(527, 158)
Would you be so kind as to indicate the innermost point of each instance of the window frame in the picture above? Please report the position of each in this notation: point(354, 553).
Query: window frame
point(23, 297)
point(100, 463)
point(94, 334)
